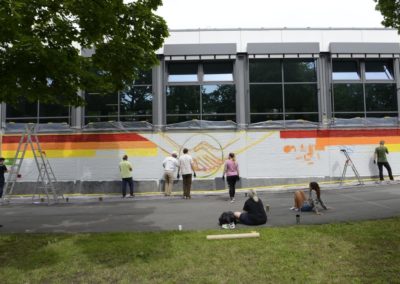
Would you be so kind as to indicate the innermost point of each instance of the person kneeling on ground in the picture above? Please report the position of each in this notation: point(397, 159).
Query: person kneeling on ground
point(253, 211)
point(301, 203)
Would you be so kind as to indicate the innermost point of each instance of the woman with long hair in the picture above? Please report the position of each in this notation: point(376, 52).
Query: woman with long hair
point(231, 170)
point(301, 203)
point(253, 211)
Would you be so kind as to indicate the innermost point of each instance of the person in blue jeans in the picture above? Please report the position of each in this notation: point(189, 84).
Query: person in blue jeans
point(125, 168)
point(3, 170)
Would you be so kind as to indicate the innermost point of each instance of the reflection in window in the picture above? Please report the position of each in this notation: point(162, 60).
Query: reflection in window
point(265, 71)
point(136, 104)
point(381, 97)
point(102, 105)
point(378, 70)
point(205, 102)
point(301, 98)
point(22, 109)
point(348, 97)
point(218, 99)
point(218, 71)
point(182, 72)
point(299, 70)
point(275, 93)
point(345, 70)
point(266, 98)
point(183, 100)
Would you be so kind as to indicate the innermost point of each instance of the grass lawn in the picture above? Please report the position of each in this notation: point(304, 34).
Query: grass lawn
point(338, 253)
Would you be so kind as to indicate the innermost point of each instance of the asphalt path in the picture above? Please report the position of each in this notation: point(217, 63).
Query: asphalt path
point(158, 213)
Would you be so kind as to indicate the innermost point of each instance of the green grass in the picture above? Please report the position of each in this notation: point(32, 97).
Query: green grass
point(366, 252)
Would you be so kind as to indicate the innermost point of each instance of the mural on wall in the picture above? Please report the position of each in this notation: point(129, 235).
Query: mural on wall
point(261, 154)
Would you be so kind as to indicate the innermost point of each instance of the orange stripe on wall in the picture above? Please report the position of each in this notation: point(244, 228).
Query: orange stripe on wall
point(321, 143)
point(87, 145)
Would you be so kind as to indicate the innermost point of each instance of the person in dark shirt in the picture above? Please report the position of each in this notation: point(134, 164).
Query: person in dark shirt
point(3, 169)
point(253, 211)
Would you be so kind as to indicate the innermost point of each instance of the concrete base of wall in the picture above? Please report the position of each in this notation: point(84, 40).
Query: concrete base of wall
point(109, 187)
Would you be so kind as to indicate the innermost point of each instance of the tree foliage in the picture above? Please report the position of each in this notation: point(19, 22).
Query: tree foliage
point(40, 44)
point(390, 9)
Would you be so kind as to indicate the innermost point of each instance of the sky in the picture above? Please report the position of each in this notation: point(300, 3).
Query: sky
point(194, 14)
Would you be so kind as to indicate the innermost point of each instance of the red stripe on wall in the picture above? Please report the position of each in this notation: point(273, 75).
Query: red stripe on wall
point(109, 137)
point(288, 134)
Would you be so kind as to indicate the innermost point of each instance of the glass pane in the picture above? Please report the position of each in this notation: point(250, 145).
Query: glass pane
point(136, 101)
point(53, 110)
point(265, 71)
point(55, 120)
point(183, 100)
point(348, 97)
point(254, 118)
point(266, 98)
point(182, 72)
point(382, 114)
point(231, 117)
point(100, 118)
point(379, 70)
point(296, 70)
point(144, 78)
point(345, 70)
point(218, 71)
point(349, 115)
point(304, 116)
point(23, 108)
point(97, 105)
point(381, 97)
point(301, 98)
point(181, 118)
point(218, 99)
point(137, 118)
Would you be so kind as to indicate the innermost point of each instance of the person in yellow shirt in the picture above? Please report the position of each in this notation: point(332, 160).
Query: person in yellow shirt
point(125, 168)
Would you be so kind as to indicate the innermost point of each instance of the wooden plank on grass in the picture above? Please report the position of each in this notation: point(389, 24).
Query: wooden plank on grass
point(233, 236)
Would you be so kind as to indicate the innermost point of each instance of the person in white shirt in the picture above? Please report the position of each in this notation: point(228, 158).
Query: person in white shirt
point(186, 168)
point(170, 165)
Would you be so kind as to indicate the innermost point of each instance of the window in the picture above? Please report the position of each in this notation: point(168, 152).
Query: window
point(379, 70)
point(205, 92)
point(36, 112)
point(132, 104)
point(283, 89)
point(345, 70)
point(372, 93)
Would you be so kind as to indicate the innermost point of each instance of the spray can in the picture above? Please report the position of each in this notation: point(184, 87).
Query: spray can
point(297, 218)
point(267, 208)
point(180, 227)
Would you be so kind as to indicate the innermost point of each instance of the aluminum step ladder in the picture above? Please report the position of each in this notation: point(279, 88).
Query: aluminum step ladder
point(46, 179)
point(350, 163)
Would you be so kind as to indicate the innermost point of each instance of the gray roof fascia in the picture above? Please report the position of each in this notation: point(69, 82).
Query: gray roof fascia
point(365, 47)
point(200, 49)
point(283, 48)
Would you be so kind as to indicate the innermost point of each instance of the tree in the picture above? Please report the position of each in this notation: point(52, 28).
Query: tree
point(40, 43)
point(390, 9)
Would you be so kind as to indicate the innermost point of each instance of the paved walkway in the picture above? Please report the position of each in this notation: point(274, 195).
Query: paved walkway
point(157, 213)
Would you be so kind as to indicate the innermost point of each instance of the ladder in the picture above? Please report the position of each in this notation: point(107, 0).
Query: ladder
point(350, 163)
point(46, 179)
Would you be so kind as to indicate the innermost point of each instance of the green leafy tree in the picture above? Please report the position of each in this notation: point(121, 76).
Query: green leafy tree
point(390, 9)
point(40, 43)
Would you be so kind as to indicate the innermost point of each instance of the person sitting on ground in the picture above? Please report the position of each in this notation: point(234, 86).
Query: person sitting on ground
point(301, 203)
point(253, 211)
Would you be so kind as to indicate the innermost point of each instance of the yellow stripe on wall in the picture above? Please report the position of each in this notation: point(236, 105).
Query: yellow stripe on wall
point(84, 153)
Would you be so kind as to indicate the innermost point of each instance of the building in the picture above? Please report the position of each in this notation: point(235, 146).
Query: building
point(284, 100)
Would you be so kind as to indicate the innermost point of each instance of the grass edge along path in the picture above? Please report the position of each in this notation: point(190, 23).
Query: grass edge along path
point(359, 252)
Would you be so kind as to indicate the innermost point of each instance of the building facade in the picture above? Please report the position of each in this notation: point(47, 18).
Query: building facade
point(286, 101)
